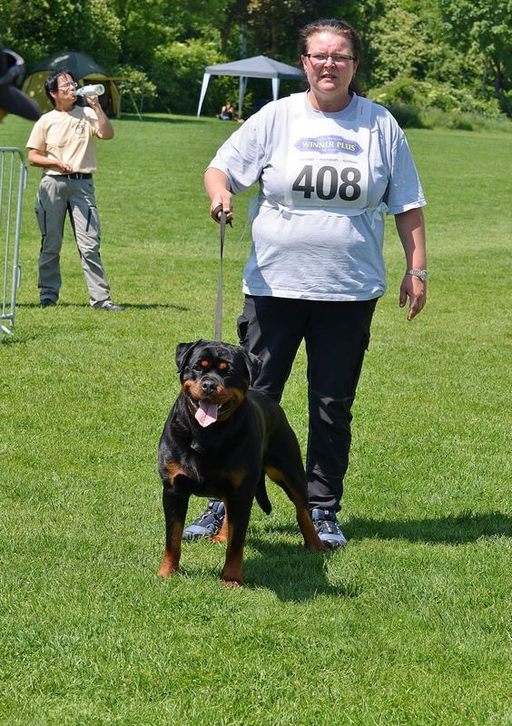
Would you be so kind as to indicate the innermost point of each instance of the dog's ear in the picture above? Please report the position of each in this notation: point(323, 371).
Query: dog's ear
point(253, 365)
point(183, 351)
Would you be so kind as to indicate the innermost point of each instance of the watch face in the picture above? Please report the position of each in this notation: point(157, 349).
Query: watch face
point(422, 274)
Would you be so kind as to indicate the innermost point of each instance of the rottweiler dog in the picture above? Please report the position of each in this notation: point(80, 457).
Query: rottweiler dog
point(219, 441)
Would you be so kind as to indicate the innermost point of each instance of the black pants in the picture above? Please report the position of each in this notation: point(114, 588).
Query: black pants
point(336, 335)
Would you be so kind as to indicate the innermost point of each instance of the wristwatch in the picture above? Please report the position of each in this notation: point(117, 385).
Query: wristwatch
point(422, 274)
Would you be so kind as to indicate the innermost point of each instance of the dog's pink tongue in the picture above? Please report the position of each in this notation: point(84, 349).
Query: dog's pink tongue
point(206, 414)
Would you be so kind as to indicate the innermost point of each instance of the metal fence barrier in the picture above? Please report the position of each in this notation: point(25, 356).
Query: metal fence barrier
point(13, 181)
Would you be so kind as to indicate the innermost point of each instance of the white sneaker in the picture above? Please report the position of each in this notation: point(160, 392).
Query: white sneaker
point(108, 305)
point(328, 528)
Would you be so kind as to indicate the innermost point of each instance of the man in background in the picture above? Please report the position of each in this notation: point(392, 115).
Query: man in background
point(62, 144)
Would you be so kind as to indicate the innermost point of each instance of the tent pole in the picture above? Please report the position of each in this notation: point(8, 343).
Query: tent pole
point(242, 85)
point(134, 104)
point(204, 86)
point(275, 88)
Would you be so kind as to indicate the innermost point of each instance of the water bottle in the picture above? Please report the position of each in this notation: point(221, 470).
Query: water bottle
point(96, 89)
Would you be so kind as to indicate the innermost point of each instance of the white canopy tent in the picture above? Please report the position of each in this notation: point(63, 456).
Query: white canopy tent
point(257, 67)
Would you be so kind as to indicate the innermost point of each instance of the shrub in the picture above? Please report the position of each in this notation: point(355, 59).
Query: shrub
point(136, 88)
point(407, 116)
point(429, 94)
point(401, 90)
point(424, 104)
point(505, 101)
point(456, 121)
point(177, 71)
point(435, 118)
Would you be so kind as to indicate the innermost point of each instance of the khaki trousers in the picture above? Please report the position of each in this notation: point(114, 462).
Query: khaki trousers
point(56, 196)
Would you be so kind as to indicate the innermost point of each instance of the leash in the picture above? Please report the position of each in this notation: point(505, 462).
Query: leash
point(221, 215)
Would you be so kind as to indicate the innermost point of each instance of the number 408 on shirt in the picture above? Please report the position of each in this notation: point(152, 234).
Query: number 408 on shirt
point(326, 182)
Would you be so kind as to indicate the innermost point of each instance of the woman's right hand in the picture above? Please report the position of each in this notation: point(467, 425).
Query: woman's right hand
point(217, 188)
point(223, 200)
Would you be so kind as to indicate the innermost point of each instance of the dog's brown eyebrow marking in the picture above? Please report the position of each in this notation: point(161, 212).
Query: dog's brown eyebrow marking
point(222, 366)
point(205, 363)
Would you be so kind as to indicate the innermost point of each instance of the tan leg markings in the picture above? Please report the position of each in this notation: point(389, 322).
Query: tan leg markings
point(222, 535)
point(311, 539)
point(232, 571)
point(171, 559)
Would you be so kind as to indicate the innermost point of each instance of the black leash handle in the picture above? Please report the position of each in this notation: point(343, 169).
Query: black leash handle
point(221, 215)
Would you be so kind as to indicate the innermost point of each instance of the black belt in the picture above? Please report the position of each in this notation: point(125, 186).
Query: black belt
point(76, 175)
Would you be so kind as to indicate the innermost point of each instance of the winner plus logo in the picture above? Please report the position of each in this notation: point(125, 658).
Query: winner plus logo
point(329, 145)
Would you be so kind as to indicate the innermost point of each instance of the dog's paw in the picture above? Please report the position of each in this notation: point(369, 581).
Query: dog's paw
point(167, 567)
point(234, 584)
point(219, 538)
point(232, 575)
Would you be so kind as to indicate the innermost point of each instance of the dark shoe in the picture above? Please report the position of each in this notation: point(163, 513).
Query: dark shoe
point(328, 528)
point(48, 302)
point(108, 305)
point(208, 524)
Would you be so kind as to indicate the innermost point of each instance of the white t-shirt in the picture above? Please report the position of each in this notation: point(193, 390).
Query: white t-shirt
point(67, 136)
point(319, 229)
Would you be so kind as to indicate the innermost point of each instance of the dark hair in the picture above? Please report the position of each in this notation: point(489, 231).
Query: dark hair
point(339, 27)
point(51, 84)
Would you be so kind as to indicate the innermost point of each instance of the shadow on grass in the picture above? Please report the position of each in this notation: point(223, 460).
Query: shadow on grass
point(154, 306)
point(296, 575)
point(158, 119)
point(292, 573)
point(127, 305)
point(461, 529)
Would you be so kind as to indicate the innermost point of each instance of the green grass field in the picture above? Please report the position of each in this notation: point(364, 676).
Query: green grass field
point(408, 625)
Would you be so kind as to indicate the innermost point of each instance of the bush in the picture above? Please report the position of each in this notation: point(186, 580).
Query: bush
point(402, 90)
point(435, 118)
point(423, 104)
point(136, 88)
point(428, 94)
point(505, 102)
point(177, 71)
point(407, 116)
point(455, 121)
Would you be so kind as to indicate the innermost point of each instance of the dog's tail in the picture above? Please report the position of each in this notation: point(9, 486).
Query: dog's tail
point(261, 495)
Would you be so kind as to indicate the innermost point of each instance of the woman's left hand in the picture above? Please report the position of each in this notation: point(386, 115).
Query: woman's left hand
point(416, 290)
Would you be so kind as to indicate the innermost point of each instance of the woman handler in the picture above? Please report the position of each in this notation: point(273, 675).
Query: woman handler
point(330, 164)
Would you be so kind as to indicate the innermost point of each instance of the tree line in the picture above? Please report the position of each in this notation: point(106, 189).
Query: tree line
point(447, 56)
